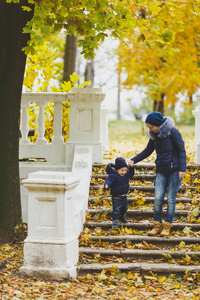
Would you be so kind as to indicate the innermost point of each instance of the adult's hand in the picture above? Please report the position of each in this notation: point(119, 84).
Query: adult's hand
point(181, 174)
point(131, 163)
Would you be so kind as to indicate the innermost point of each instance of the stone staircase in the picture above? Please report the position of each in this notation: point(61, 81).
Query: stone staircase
point(129, 248)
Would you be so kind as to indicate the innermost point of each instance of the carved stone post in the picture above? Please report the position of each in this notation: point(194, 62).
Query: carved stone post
point(85, 121)
point(51, 248)
point(197, 131)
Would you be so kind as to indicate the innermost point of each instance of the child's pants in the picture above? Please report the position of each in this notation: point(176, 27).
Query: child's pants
point(120, 206)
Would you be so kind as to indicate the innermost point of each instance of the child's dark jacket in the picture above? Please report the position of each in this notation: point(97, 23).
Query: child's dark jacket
point(119, 185)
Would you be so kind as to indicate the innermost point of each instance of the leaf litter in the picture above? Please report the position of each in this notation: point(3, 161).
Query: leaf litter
point(111, 283)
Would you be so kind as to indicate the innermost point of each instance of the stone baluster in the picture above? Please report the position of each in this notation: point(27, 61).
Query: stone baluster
point(41, 123)
point(57, 125)
point(24, 124)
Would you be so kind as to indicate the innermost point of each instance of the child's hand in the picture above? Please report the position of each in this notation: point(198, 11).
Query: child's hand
point(106, 187)
point(131, 163)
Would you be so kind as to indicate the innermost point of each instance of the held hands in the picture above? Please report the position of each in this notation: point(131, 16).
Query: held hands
point(130, 163)
point(106, 187)
point(181, 174)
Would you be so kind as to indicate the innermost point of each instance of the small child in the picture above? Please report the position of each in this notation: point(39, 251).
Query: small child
point(118, 183)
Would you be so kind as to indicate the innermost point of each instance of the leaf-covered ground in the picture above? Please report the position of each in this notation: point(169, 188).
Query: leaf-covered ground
point(110, 283)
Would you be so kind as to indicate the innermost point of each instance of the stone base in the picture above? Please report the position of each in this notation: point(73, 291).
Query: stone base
point(49, 274)
point(50, 260)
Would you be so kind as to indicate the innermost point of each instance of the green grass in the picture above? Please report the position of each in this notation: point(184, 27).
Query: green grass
point(130, 130)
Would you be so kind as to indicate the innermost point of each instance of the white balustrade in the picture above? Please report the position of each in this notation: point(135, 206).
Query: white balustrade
point(86, 129)
point(196, 113)
point(197, 131)
point(52, 205)
point(53, 152)
point(85, 125)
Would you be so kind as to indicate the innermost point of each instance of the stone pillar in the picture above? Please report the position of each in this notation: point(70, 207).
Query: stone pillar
point(104, 127)
point(85, 121)
point(51, 248)
point(197, 131)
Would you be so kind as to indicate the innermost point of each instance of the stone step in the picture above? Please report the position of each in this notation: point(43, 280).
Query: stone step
point(155, 240)
point(145, 226)
point(142, 268)
point(147, 260)
point(137, 212)
point(147, 199)
point(136, 177)
point(142, 165)
point(138, 166)
point(149, 188)
point(138, 253)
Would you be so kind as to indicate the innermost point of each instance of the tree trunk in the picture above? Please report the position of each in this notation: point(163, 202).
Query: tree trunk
point(118, 96)
point(69, 57)
point(89, 72)
point(12, 66)
point(159, 105)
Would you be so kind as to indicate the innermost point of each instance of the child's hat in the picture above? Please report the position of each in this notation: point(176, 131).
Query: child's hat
point(120, 163)
point(155, 118)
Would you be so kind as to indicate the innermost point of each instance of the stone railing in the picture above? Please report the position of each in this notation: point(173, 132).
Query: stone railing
point(88, 125)
point(88, 128)
point(196, 113)
point(55, 193)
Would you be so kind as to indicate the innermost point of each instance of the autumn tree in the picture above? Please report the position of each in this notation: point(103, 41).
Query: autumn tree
point(92, 22)
point(70, 55)
point(164, 69)
point(12, 63)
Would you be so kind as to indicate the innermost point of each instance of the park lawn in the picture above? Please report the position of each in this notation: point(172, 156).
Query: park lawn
point(128, 130)
point(127, 138)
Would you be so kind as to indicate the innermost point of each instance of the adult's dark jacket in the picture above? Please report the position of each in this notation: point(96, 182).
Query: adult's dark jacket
point(169, 147)
point(119, 185)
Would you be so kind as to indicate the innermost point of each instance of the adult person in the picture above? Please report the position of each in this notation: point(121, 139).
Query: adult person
point(167, 141)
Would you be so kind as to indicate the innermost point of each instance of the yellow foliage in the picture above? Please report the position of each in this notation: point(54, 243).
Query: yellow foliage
point(186, 178)
point(148, 61)
point(49, 117)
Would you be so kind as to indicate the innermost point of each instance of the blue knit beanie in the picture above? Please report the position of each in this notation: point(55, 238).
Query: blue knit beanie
point(120, 163)
point(155, 118)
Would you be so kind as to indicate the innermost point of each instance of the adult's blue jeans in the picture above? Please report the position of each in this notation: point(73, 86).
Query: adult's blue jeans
point(120, 206)
point(170, 184)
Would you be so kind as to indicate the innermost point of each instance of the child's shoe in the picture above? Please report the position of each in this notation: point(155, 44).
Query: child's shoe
point(123, 219)
point(115, 224)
